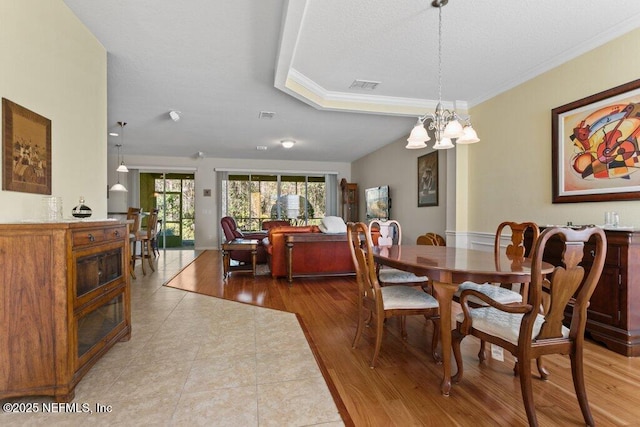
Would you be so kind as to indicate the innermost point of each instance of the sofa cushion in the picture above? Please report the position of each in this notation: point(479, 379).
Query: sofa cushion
point(333, 225)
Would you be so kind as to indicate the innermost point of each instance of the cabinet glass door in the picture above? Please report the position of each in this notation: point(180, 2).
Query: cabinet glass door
point(97, 324)
point(94, 271)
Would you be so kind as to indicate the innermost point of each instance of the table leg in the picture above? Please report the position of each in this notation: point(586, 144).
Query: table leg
point(289, 262)
point(254, 253)
point(225, 262)
point(444, 294)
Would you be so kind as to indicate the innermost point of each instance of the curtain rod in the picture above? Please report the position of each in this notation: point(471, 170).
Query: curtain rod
point(164, 168)
point(264, 171)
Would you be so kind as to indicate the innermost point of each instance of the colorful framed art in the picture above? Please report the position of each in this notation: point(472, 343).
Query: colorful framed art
point(595, 151)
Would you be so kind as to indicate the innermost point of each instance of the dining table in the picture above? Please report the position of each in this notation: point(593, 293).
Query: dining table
point(447, 267)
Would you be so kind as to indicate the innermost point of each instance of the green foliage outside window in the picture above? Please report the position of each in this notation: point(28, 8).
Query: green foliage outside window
point(252, 199)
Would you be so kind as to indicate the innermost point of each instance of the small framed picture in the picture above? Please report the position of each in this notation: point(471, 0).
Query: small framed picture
point(428, 179)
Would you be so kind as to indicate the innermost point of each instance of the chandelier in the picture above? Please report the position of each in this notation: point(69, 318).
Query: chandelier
point(445, 123)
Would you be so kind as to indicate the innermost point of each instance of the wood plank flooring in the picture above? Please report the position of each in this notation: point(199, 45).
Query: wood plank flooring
point(403, 389)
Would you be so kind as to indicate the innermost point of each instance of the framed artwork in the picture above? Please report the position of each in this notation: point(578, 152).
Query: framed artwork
point(595, 152)
point(428, 179)
point(26, 150)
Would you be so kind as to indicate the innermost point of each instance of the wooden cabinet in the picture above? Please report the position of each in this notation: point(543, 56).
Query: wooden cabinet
point(349, 201)
point(64, 302)
point(613, 316)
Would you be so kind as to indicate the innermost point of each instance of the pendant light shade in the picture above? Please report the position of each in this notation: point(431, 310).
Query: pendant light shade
point(418, 137)
point(122, 168)
point(469, 136)
point(118, 187)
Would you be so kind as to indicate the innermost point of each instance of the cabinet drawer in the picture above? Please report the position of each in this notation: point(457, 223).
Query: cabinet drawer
point(613, 255)
point(115, 233)
point(97, 273)
point(88, 237)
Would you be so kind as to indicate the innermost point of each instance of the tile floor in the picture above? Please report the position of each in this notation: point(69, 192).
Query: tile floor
point(198, 360)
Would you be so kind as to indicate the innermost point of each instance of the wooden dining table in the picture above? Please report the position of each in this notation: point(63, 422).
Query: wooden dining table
point(447, 267)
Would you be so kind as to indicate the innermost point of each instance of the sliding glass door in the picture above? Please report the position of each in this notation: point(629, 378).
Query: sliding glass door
point(173, 194)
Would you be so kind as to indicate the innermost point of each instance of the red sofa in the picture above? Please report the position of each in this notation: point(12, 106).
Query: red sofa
point(312, 252)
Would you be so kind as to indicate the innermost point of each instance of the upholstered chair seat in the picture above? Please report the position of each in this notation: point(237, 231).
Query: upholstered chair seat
point(393, 276)
point(503, 325)
point(390, 233)
point(496, 293)
point(399, 297)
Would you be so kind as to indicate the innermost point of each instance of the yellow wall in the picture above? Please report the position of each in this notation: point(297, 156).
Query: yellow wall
point(510, 169)
point(52, 65)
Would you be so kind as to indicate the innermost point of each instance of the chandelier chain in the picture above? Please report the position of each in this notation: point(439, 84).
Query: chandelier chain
point(439, 53)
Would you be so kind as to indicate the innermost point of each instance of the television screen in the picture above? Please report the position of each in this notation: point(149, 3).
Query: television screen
point(378, 203)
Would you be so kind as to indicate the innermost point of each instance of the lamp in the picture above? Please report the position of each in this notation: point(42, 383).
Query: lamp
point(445, 123)
point(122, 168)
point(287, 143)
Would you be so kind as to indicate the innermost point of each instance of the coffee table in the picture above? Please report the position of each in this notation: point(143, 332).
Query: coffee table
point(239, 245)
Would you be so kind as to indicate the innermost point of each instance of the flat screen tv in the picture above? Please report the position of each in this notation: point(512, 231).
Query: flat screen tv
point(378, 202)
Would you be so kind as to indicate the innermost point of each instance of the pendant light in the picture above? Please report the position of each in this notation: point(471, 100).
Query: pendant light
point(122, 168)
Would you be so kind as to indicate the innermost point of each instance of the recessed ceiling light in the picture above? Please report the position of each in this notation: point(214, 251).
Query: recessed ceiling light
point(175, 115)
point(287, 143)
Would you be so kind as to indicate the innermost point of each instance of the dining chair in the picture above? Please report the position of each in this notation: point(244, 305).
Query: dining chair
point(515, 251)
point(390, 233)
point(535, 328)
point(154, 240)
point(377, 303)
point(133, 218)
point(145, 237)
point(431, 239)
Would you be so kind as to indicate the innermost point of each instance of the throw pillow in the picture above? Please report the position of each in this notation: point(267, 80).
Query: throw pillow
point(333, 225)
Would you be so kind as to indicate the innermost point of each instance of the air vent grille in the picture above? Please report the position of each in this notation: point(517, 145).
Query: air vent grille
point(266, 114)
point(364, 84)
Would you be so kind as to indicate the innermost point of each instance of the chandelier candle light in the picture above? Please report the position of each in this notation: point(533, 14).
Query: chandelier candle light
point(445, 123)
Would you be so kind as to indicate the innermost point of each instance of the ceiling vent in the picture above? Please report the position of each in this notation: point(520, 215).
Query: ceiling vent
point(364, 84)
point(266, 115)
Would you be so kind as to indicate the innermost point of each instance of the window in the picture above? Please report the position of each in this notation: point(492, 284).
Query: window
point(253, 198)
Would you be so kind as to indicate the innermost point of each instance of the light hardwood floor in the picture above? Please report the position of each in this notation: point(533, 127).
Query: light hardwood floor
point(403, 389)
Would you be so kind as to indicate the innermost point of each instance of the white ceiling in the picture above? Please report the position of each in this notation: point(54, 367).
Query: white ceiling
point(221, 62)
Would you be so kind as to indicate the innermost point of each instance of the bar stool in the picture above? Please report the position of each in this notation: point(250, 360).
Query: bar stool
point(133, 219)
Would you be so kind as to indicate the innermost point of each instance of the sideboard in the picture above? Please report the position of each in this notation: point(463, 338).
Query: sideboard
point(64, 302)
point(613, 316)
